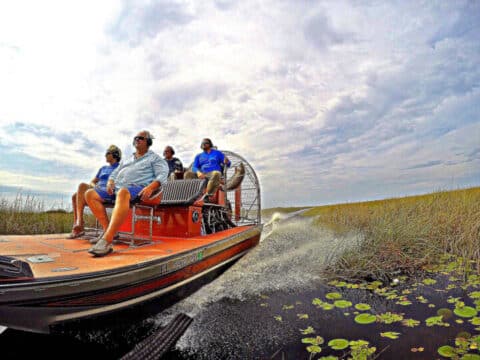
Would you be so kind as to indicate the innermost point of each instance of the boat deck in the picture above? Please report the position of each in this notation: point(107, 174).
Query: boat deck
point(51, 256)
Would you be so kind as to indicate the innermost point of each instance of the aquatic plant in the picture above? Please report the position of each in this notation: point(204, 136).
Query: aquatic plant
point(361, 350)
point(342, 304)
point(436, 321)
point(429, 281)
point(362, 306)
point(445, 313)
point(365, 318)
point(447, 351)
point(390, 334)
point(389, 317)
point(308, 330)
point(302, 316)
point(338, 344)
point(287, 307)
point(410, 322)
point(333, 296)
point(465, 311)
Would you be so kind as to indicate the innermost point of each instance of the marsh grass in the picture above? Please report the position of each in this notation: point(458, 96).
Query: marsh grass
point(403, 235)
point(27, 215)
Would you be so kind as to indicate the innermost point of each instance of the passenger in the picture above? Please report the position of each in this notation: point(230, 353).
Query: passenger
point(113, 156)
point(136, 177)
point(175, 166)
point(208, 164)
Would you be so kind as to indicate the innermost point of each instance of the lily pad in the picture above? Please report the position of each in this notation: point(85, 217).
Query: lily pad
point(362, 306)
point(365, 318)
point(447, 351)
point(465, 311)
point(389, 317)
point(436, 320)
point(314, 341)
point(390, 334)
point(308, 330)
point(429, 281)
point(342, 304)
point(302, 316)
point(474, 295)
point(333, 296)
point(471, 357)
point(329, 357)
point(314, 349)
point(475, 321)
point(410, 322)
point(445, 313)
point(338, 344)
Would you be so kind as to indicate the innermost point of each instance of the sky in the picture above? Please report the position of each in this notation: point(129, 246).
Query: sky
point(329, 101)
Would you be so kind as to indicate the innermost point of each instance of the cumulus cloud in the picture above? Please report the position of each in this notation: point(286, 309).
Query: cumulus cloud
point(329, 101)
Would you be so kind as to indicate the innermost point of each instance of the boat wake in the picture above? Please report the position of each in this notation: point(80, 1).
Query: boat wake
point(290, 257)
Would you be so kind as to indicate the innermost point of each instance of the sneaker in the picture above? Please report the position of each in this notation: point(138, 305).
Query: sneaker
point(101, 248)
point(95, 240)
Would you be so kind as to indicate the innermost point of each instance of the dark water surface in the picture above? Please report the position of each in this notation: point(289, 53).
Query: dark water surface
point(256, 310)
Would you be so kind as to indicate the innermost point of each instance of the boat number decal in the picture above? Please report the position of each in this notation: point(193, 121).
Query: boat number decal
point(175, 265)
point(195, 216)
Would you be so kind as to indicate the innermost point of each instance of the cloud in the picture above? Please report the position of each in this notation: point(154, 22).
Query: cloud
point(146, 19)
point(320, 32)
point(340, 103)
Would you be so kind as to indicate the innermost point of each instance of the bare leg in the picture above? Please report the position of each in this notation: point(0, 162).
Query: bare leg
point(95, 203)
point(82, 188)
point(74, 207)
point(120, 212)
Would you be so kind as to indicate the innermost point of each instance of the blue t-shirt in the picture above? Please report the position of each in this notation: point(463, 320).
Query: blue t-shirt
point(206, 162)
point(104, 173)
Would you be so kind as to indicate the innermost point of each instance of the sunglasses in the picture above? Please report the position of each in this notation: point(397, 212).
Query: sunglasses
point(139, 138)
point(108, 153)
point(205, 143)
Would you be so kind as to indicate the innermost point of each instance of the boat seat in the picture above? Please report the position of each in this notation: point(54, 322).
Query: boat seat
point(182, 192)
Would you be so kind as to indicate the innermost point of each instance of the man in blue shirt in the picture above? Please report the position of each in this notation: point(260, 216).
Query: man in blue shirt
point(137, 176)
point(208, 164)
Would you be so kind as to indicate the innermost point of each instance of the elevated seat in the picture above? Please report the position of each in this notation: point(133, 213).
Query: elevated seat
point(182, 192)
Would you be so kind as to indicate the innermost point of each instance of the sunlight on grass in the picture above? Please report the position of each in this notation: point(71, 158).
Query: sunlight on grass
point(404, 235)
point(27, 215)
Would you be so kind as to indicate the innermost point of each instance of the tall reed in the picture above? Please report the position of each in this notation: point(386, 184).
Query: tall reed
point(27, 215)
point(403, 235)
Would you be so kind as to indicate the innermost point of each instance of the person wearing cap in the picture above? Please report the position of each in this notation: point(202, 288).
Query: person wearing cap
point(208, 165)
point(113, 155)
point(137, 176)
point(175, 166)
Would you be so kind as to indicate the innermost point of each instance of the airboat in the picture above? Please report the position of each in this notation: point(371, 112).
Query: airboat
point(165, 243)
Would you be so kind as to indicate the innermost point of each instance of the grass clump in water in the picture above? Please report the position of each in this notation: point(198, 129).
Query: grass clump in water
point(406, 234)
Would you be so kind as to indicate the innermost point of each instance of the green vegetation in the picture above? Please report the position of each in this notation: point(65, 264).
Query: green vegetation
point(26, 215)
point(407, 234)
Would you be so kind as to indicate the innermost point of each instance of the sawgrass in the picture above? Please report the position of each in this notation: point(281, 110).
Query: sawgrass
point(405, 234)
point(27, 215)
